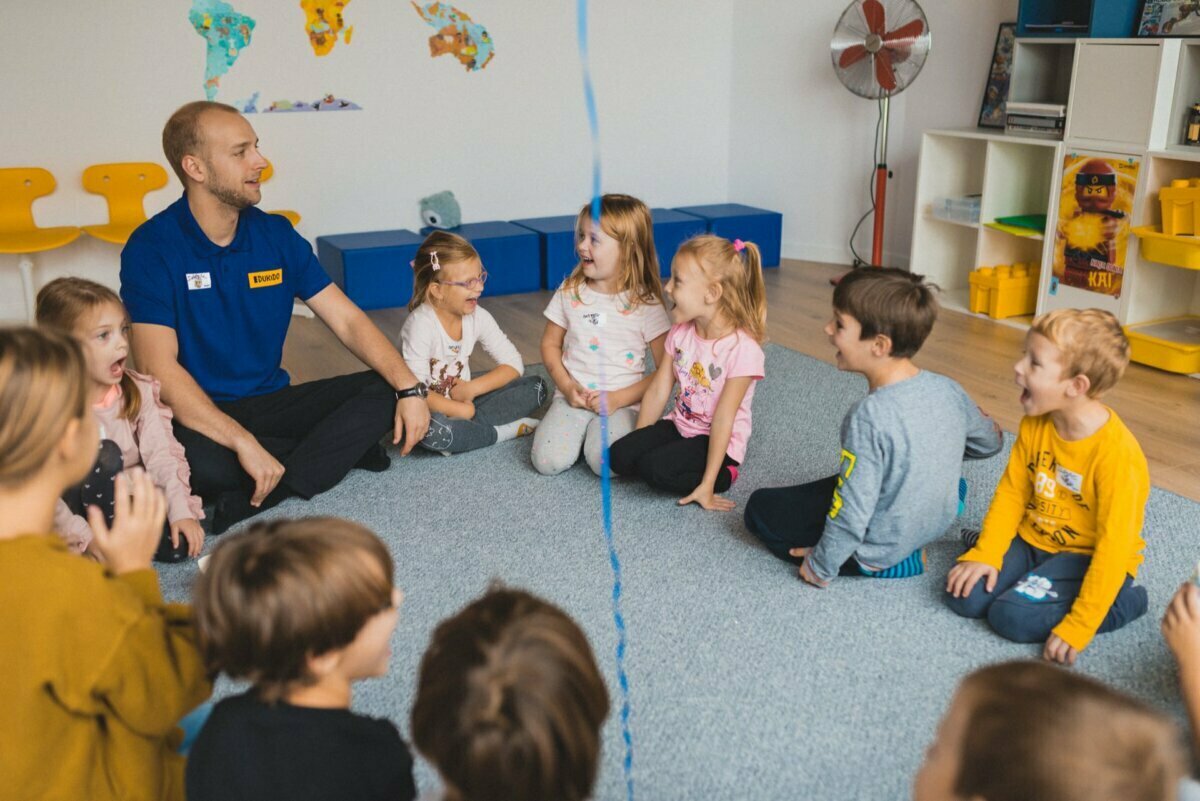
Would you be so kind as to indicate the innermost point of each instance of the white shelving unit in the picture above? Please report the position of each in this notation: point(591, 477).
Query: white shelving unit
point(1126, 99)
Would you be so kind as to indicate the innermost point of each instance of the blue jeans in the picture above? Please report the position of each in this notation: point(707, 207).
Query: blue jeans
point(1035, 591)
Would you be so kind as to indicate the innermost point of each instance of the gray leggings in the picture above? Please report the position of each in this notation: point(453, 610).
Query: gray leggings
point(566, 430)
point(517, 399)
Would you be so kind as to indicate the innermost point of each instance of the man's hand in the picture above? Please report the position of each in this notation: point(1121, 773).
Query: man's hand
point(708, 499)
point(1057, 650)
point(965, 575)
point(139, 511)
point(1181, 626)
point(191, 531)
point(412, 422)
point(260, 465)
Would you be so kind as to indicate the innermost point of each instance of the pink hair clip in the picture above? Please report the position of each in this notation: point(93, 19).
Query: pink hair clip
point(739, 245)
point(433, 261)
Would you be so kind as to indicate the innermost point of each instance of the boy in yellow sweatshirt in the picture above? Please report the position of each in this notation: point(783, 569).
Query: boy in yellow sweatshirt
point(1061, 544)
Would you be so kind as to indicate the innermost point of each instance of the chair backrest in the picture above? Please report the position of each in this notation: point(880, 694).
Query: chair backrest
point(19, 187)
point(125, 186)
point(267, 172)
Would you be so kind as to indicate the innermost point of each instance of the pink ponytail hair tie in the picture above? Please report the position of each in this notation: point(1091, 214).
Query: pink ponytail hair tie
point(739, 245)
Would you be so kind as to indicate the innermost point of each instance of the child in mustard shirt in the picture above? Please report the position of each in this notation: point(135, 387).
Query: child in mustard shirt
point(1061, 543)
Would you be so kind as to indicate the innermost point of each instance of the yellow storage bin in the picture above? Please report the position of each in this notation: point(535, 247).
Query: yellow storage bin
point(1181, 207)
point(1006, 290)
point(1178, 251)
point(1172, 344)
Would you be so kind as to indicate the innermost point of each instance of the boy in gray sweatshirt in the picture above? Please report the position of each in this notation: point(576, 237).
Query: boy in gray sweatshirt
point(896, 489)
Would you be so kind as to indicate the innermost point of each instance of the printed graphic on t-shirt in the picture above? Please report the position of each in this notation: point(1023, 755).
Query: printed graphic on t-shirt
point(443, 375)
point(264, 278)
point(696, 390)
point(597, 319)
point(1056, 490)
point(844, 470)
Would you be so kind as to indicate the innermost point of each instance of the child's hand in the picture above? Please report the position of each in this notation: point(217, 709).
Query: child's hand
point(1057, 650)
point(461, 390)
point(578, 397)
point(708, 499)
point(1181, 626)
point(139, 511)
point(192, 532)
point(965, 575)
point(805, 572)
point(610, 400)
point(464, 410)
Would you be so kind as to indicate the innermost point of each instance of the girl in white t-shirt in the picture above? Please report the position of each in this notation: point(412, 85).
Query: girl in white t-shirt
point(716, 357)
point(598, 325)
point(437, 339)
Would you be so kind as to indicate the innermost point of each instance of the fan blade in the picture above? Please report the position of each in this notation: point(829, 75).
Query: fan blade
point(852, 55)
point(885, 74)
point(873, 12)
point(909, 31)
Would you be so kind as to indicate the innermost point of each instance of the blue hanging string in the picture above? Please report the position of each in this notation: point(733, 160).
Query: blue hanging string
point(589, 96)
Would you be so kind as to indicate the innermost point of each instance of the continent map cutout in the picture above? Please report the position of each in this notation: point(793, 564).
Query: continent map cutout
point(457, 35)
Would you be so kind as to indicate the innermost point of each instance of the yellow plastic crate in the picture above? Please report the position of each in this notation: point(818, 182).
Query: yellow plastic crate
point(1006, 290)
point(1178, 251)
point(1172, 344)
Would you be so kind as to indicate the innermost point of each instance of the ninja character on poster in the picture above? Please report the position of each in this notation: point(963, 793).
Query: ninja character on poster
point(1093, 223)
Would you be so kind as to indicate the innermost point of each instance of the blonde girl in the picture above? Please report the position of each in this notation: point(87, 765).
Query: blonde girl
point(1025, 731)
point(598, 326)
point(135, 425)
point(97, 669)
point(714, 351)
point(444, 324)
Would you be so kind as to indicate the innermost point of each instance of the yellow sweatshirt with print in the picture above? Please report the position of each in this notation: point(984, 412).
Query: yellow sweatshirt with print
point(95, 674)
point(1084, 496)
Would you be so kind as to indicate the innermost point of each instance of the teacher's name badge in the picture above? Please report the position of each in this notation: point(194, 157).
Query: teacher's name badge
point(266, 278)
point(199, 281)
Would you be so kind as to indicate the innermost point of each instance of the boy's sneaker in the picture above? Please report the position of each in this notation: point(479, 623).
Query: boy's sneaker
point(969, 537)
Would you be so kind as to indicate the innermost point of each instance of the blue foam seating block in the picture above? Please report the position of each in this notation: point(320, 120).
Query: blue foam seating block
point(735, 221)
point(372, 268)
point(671, 229)
point(556, 245)
point(509, 253)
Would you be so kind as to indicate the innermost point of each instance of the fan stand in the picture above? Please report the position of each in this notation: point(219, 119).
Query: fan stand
point(881, 179)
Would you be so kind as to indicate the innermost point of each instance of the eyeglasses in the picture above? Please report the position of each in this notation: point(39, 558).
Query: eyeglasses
point(473, 283)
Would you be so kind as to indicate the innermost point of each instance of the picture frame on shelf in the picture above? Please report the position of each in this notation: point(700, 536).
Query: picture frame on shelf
point(995, 91)
point(1174, 18)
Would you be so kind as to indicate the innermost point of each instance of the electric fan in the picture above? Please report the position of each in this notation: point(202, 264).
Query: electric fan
point(878, 48)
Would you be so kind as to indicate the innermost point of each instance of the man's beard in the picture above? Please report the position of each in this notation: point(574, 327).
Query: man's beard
point(228, 194)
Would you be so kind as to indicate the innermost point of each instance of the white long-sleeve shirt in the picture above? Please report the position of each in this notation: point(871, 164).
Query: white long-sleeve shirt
point(437, 359)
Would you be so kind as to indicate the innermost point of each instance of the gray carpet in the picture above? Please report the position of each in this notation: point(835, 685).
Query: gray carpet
point(745, 683)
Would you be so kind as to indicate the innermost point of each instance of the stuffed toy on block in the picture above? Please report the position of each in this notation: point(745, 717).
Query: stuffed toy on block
point(441, 210)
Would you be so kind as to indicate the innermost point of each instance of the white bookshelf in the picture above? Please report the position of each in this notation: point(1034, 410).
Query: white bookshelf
point(1126, 99)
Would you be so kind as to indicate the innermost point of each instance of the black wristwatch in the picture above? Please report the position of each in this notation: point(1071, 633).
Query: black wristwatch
point(418, 390)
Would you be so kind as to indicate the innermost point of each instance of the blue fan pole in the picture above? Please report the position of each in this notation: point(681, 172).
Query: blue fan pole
point(589, 96)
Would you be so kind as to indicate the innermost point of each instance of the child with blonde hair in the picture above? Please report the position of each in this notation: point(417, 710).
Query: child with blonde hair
point(598, 326)
point(714, 351)
point(437, 340)
point(1027, 731)
point(302, 609)
point(510, 702)
point(97, 671)
point(1061, 544)
point(135, 425)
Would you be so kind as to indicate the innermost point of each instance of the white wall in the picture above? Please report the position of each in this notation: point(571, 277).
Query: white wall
point(95, 82)
point(800, 143)
point(697, 105)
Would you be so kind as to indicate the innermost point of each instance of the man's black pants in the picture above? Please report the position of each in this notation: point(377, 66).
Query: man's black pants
point(318, 431)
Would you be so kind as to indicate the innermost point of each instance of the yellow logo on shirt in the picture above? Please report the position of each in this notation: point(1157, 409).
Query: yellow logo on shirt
point(844, 471)
point(266, 278)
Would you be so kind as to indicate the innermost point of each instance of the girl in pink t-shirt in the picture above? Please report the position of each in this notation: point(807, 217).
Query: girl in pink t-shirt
point(714, 352)
point(135, 427)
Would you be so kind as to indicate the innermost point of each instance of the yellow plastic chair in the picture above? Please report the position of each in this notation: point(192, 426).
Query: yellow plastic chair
point(19, 187)
point(291, 216)
point(125, 187)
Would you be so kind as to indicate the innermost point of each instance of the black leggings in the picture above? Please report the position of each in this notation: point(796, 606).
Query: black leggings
point(98, 487)
point(667, 460)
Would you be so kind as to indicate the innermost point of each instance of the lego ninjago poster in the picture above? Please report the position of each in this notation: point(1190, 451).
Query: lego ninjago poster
point(1093, 223)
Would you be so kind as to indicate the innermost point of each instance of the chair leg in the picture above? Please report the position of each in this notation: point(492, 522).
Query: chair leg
point(25, 265)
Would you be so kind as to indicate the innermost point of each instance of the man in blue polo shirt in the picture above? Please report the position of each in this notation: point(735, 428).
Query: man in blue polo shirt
point(209, 284)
